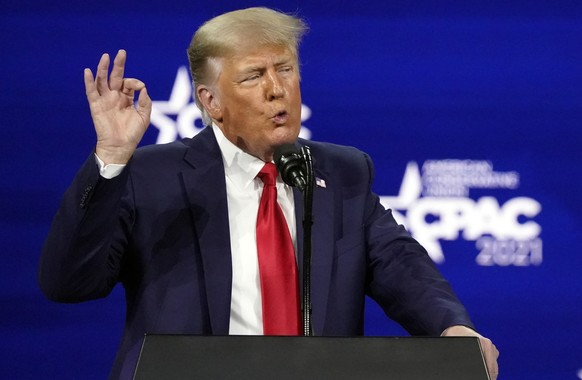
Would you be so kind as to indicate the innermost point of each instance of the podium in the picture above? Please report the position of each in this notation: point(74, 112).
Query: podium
point(185, 357)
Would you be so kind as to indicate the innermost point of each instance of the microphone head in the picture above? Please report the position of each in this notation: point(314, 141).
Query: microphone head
point(291, 166)
point(284, 152)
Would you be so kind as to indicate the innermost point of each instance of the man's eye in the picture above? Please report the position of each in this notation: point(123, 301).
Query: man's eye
point(252, 77)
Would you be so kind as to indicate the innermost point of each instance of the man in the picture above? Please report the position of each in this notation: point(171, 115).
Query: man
point(178, 224)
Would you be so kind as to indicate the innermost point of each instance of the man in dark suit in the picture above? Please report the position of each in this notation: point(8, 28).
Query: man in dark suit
point(176, 224)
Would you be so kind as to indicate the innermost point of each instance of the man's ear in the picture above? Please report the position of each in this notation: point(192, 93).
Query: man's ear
point(210, 102)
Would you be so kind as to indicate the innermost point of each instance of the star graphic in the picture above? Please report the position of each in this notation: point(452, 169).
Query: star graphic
point(409, 193)
point(187, 118)
point(179, 105)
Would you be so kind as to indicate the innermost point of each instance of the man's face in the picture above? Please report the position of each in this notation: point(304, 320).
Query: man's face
point(258, 99)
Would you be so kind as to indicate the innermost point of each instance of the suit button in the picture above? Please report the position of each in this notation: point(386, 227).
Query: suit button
point(85, 196)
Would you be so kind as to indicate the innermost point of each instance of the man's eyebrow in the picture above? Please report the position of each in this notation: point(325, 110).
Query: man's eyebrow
point(252, 68)
point(284, 60)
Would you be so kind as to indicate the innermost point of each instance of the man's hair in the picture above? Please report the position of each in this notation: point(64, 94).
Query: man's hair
point(222, 35)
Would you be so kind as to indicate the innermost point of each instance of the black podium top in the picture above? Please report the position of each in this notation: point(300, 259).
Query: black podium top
point(179, 357)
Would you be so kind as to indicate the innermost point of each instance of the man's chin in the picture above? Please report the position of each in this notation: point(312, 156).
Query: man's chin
point(284, 135)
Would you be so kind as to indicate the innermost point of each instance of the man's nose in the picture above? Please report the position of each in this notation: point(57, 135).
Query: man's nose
point(274, 85)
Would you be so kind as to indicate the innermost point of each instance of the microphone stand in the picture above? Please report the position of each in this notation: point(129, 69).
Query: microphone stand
point(307, 223)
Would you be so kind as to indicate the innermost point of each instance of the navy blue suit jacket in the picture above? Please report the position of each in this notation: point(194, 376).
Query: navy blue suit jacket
point(161, 229)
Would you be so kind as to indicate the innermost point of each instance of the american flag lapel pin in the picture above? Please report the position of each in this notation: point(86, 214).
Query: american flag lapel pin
point(320, 182)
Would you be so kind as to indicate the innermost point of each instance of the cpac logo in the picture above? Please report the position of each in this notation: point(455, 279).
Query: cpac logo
point(435, 205)
point(178, 117)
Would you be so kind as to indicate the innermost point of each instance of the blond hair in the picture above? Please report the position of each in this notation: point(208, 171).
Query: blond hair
point(224, 34)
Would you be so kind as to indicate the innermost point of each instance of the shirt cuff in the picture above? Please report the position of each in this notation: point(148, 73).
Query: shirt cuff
point(108, 171)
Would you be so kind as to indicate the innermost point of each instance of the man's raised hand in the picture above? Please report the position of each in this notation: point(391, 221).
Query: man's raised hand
point(119, 124)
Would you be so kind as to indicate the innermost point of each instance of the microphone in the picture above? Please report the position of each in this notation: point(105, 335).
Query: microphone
point(296, 169)
point(291, 166)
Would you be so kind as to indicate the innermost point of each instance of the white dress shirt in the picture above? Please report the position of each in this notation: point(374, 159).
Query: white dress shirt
point(243, 192)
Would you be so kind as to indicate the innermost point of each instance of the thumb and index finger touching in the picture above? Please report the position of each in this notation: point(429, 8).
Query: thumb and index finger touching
point(119, 121)
point(103, 82)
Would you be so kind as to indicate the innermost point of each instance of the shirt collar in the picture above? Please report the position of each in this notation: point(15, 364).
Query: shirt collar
point(240, 167)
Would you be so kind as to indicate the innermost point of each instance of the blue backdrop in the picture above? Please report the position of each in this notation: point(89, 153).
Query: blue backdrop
point(471, 111)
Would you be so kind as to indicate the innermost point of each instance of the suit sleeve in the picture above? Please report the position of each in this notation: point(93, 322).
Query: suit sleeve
point(402, 278)
point(83, 252)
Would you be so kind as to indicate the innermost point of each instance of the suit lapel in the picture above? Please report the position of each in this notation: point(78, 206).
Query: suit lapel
point(205, 187)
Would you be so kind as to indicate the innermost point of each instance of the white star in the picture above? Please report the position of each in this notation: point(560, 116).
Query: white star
point(182, 106)
point(179, 104)
point(410, 191)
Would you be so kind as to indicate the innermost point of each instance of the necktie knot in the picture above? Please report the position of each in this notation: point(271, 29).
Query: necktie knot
point(268, 174)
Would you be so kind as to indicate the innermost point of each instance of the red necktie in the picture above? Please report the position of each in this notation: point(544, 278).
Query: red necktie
point(277, 267)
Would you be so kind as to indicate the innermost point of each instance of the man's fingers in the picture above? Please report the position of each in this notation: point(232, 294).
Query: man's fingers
point(494, 365)
point(144, 105)
point(117, 93)
point(116, 78)
point(101, 75)
point(491, 354)
point(104, 82)
point(90, 89)
point(131, 84)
